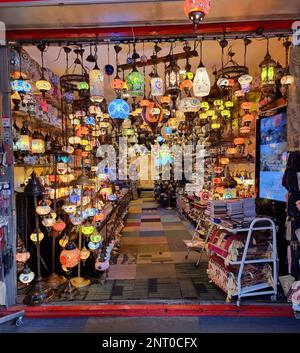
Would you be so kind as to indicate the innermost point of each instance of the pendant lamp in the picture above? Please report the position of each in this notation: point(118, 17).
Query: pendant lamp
point(196, 10)
point(42, 84)
point(96, 80)
point(268, 69)
point(201, 84)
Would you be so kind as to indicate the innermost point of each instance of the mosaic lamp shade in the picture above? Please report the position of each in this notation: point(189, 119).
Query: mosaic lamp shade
point(157, 86)
point(43, 85)
point(201, 83)
point(70, 255)
point(96, 80)
point(135, 82)
point(21, 86)
point(118, 109)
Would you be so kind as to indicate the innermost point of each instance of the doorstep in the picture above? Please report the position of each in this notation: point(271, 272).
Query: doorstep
point(124, 309)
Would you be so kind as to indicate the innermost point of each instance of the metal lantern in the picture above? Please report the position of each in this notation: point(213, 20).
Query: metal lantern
point(268, 69)
point(96, 80)
point(196, 10)
point(172, 77)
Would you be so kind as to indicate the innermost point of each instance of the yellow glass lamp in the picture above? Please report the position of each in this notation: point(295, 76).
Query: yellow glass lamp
point(37, 237)
point(215, 126)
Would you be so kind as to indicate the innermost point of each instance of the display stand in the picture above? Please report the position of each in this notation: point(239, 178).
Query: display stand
point(257, 289)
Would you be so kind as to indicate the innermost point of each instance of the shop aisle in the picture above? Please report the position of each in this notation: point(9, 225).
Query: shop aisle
point(151, 263)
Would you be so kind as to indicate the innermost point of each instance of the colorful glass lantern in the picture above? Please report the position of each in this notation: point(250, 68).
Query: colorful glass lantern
point(246, 105)
point(231, 151)
point(59, 226)
point(224, 160)
point(144, 103)
point(74, 140)
point(24, 141)
point(239, 141)
point(172, 77)
point(268, 69)
point(135, 81)
point(157, 86)
point(201, 84)
point(229, 104)
point(165, 100)
point(68, 97)
point(43, 85)
point(26, 276)
point(196, 10)
point(245, 130)
point(218, 170)
point(226, 113)
point(118, 109)
point(96, 80)
point(37, 143)
point(248, 119)
point(186, 85)
point(203, 116)
point(239, 94)
point(21, 86)
point(217, 181)
point(204, 106)
point(37, 237)
point(43, 210)
point(245, 82)
point(96, 238)
point(215, 126)
point(117, 84)
point(84, 254)
point(70, 256)
point(82, 86)
point(48, 222)
point(189, 105)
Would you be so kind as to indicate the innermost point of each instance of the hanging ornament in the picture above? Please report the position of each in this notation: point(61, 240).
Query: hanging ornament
point(109, 69)
point(201, 84)
point(96, 81)
point(196, 10)
point(268, 71)
point(118, 109)
point(135, 81)
point(42, 84)
point(70, 256)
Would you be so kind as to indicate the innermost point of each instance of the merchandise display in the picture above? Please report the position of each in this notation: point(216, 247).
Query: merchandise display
point(128, 156)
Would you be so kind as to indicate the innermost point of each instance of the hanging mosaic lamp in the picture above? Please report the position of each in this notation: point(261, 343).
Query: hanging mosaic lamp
point(37, 143)
point(268, 69)
point(189, 105)
point(43, 85)
point(201, 83)
point(96, 80)
point(245, 82)
point(157, 86)
point(118, 109)
point(196, 10)
point(135, 82)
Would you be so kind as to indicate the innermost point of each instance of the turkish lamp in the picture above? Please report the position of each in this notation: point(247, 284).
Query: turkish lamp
point(43, 86)
point(287, 80)
point(268, 70)
point(135, 81)
point(215, 126)
point(96, 81)
point(82, 86)
point(201, 83)
point(172, 78)
point(37, 143)
point(204, 106)
point(35, 237)
point(24, 141)
point(245, 82)
point(157, 86)
point(70, 255)
point(196, 10)
point(27, 275)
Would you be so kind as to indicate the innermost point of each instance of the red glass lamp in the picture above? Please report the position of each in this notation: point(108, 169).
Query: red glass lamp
point(196, 10)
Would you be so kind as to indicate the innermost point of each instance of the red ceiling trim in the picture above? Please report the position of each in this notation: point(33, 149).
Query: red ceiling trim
point(146, 31)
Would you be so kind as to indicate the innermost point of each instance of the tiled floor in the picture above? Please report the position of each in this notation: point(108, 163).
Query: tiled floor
point(151, 263)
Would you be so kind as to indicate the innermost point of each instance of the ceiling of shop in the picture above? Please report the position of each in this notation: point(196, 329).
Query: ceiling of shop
point(110, 13)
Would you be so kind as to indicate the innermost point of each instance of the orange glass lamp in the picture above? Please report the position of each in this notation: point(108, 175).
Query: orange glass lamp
point(239, 141)
point(224, 160)
point(196, 10)
point(248, 119)
point(165, 100)
point(231, 151)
